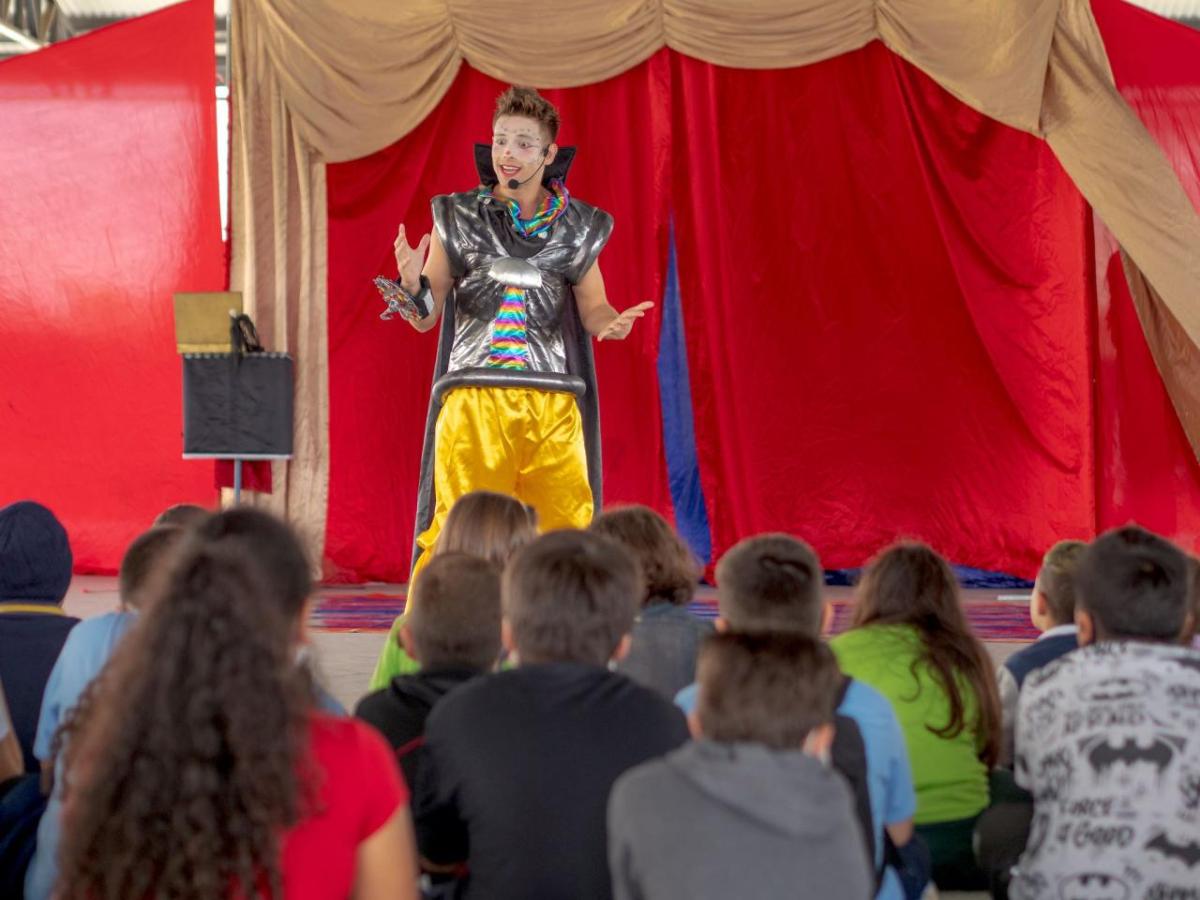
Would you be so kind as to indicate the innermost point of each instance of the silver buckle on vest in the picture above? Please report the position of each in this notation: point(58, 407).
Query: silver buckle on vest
point(513, 272)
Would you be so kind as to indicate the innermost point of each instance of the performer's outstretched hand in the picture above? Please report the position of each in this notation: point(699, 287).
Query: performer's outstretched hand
point(620, 327)
point(410, 261)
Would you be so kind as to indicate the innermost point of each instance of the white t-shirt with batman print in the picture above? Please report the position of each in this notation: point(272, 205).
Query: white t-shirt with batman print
point(1108, 743)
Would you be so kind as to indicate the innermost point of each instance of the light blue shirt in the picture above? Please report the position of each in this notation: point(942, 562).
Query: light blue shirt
point(87, 649)
point(889, 777)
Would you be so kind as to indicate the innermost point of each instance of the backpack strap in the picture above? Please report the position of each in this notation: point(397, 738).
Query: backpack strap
point(862, 793)
point(849, 758)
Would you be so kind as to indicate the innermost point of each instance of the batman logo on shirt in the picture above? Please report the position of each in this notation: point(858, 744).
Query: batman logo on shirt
point(1188, 854)
point(1102, 755)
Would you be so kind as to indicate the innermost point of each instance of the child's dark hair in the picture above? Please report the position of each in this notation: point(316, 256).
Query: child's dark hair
point(771, 583)
point(454, 619)
point(668, 566)
point(183, 515)
point(526, 102)
point(910, 584)
point(185, 758)
point(147, 556)
point(1056, 580)
point(1135, 584)
point(770, 689)
point(570, 596)
point(274, 543)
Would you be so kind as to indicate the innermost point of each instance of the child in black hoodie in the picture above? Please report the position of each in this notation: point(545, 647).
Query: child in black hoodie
point(453, 630)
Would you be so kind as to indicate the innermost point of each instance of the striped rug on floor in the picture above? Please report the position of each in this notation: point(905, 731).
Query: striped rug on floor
point(992, 620)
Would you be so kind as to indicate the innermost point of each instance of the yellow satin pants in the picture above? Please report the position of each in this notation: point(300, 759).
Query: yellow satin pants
point(518, 441)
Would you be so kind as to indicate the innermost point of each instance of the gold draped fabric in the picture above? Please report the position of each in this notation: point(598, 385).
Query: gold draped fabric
point(277, 226)
point(318, 81)
point(1124, 174)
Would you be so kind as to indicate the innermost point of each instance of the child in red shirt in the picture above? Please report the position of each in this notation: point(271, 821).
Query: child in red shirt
point(196, 764)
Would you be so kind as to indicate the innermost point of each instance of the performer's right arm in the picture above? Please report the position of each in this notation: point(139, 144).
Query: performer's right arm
point(412, 264)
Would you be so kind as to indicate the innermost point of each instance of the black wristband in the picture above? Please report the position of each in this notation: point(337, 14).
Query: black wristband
point(422, 299)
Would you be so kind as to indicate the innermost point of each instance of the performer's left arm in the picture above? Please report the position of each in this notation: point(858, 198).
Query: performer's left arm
point(599, 317)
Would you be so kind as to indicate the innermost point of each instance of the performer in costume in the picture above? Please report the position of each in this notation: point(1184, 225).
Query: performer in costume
point(512, 273)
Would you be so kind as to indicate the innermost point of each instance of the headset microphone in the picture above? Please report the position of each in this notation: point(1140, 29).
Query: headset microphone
point(513, 184)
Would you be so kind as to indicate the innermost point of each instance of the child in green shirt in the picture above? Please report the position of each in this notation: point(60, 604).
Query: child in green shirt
point(910, 641)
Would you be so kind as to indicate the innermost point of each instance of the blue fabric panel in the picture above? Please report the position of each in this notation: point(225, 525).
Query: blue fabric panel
point(967, 577)
point(679, 436)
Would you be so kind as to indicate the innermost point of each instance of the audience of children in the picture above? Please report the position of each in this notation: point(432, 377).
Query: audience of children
point(190, 757)
point(452, 630)
point(196, 765)
point(751, 808)
point(482, 523)
point(520, 764)
point(773, 583)
point(910, 641)
point(1001, 831)
point(1052, 611)
point(85, 653)
point(666, 637)
point(91, 642)
point(35, 572)
point(1107, 736)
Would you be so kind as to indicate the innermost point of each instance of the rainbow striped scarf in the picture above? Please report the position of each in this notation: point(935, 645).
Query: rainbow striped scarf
point(509, 348)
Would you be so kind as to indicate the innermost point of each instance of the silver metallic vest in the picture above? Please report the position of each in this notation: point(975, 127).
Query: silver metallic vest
point(478, 235)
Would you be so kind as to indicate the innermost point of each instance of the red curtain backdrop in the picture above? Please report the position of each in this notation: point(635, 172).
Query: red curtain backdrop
point(379, 372)
point(1149, 471)
point(895, 319)
point(887, 317)
point(110, 205)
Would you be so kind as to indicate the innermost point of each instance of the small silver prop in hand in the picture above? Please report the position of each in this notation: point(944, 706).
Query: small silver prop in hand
point(399, 302)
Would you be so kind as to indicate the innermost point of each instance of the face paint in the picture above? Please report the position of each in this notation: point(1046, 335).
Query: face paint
point(522, 148)
point(517, 147)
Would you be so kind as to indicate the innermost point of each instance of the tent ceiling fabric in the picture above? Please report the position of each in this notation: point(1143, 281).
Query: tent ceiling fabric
point(318, 80)
point(1175, 9)
point(360, 74)
point(123, 9)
